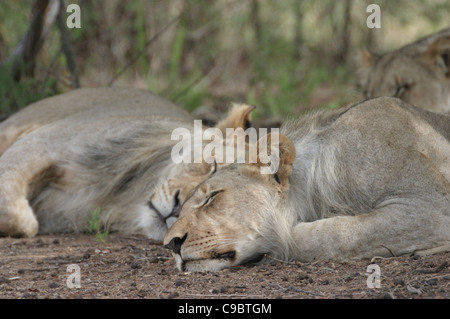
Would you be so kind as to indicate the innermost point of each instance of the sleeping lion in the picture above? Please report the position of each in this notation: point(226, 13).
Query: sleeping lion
point(418, 73)
point(370, 179)
point(105, 148)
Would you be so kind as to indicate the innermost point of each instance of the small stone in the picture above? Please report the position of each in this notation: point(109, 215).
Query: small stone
point(303, 277)
point(388, 295)
point(28, 295)
point(399, 282)
point(432, 282)
point(414, 290)
point(53, 285)
point(87, 254)
point(178, 282)
point(172, 295)
point(135, 265)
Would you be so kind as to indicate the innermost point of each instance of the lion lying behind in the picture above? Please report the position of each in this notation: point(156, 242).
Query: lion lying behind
point(418, 73)
point(107, 148)
point(370, 179)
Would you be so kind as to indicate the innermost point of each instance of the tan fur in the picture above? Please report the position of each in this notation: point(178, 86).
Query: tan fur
point(418, 73)
point(107, 148)
point(370, 179)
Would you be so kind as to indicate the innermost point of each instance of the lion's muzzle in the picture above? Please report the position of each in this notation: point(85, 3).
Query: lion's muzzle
point(175, 244)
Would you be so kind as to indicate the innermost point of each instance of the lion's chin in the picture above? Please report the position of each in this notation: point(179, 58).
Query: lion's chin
point(214, 264)
point(201, 264)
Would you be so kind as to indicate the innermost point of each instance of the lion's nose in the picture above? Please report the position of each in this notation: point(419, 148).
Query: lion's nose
point(175, 244)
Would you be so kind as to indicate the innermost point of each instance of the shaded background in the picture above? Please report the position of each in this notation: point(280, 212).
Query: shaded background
point(286, 57)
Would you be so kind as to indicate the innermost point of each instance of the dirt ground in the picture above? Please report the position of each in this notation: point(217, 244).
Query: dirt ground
point(134, 267)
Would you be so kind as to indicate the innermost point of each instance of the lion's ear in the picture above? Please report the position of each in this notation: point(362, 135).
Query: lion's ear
point(365, 62)
point(239, 116)
point(438, 53)
point(275, 154)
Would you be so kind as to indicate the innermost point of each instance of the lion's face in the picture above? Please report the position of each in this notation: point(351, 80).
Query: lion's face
point(220, 224)
point(182, 179)
point(407, 78)
point(168, 197)
point(224, 222)
point(420, 77)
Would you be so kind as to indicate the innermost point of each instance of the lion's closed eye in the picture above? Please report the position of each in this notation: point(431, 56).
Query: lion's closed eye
point(401, 90)
point(211, 196)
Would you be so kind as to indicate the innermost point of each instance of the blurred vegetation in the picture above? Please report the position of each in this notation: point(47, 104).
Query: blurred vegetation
point(286, 57)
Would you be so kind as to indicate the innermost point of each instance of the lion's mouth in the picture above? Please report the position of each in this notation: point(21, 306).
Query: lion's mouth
point(227, 255)
point(254, 259)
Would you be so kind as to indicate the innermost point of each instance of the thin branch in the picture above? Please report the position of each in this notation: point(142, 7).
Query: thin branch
point(392, 253)
point(157, 294)
point(379, 257)
point(189, 87)
point(66, 48)
point(142, 51)
point(47, 73)
point(433, 270)
point(281, 261)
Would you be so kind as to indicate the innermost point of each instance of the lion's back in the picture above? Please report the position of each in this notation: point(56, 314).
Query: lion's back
point(83, 105)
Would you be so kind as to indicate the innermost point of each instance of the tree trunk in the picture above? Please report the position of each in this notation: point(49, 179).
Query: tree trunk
point(23, 59)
